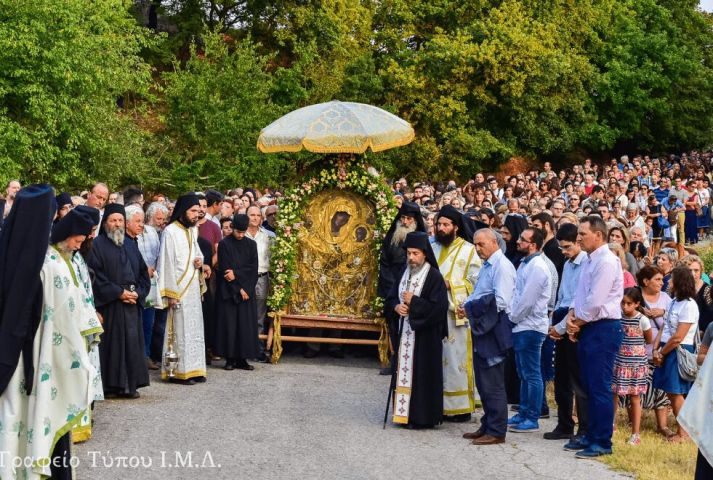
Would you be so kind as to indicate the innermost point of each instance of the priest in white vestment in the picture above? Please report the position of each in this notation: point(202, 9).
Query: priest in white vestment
point(180, 281)
point(459, 264)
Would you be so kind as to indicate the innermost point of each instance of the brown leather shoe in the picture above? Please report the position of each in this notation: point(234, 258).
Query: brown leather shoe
point(151, 365)
point(473, 435)
point(488, 440)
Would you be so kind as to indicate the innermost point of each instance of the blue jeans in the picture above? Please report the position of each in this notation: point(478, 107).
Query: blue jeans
point(598, 345)
point(148, 315)
point(528, 350)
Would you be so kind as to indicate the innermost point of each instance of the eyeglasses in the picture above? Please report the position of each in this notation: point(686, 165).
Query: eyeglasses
point(523, 240)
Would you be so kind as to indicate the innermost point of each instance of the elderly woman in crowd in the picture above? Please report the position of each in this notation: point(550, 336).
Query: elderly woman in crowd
point(679, 329)
point(666, 259)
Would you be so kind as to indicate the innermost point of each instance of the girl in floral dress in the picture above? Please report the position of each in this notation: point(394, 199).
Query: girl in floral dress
point(631, 364)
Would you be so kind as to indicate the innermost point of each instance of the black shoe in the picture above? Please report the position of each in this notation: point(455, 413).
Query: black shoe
point(557, 435)
point(179, 381)
point(515, 408)
point(309, 353)
point(462, 418)
point(129, 395)
point(263, 358)
point(416, 426)
point(199, 379)
point(244, 366)
point(545, 415)
point(385, 371)
point(228, 366)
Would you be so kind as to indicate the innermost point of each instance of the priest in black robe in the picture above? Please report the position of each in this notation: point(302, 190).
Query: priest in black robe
point(392, 260)
point(121, 284)
point(237, 333)
point(418, 303)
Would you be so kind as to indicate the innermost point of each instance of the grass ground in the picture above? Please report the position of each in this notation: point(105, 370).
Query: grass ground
point(654, 458)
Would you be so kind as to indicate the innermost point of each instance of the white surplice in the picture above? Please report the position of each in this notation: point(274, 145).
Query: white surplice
point(459, 264)
point(62, 387)
point(179, 279)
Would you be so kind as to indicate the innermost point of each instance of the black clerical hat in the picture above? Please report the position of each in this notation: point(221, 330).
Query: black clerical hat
point(23, 245)
point(183, 204)
point(93, 213)
point(421, 241)
point(63, 199)
point(74, 223)
point(240, 222)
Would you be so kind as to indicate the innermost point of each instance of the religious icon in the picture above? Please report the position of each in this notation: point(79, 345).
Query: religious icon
point(336, 262)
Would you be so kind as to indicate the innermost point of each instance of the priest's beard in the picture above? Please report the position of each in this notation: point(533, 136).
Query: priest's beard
point(400, 233)
point(414, 267)
point(64, 249)
point(188, 223)
point(116, 235)
point(445, 239)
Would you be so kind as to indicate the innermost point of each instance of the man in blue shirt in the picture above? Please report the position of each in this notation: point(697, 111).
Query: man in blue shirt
point(495, 280)
point(662, 190)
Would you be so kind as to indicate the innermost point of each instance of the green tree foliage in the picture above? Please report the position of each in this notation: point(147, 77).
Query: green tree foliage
point(215, 107)
point(480, 80)
point(64, 64)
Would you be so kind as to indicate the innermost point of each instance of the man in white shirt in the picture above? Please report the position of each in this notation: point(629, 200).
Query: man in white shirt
point(595, 321)
point(264, 239)
point(533, 289)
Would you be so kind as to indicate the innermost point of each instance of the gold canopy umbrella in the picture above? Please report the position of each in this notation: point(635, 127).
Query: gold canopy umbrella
point(335, 127)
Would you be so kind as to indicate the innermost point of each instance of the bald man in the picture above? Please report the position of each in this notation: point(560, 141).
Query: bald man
point(488, 310)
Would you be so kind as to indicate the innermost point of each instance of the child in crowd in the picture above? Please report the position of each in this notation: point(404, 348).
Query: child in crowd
point(631, 365)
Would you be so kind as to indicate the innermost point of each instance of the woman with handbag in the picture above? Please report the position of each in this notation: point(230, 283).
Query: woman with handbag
point(656, 305)
point(679, 330)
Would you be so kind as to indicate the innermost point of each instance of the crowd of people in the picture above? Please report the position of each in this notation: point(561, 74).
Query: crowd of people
point(586, 277)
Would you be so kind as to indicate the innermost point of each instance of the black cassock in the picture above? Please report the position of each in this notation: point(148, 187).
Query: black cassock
point(236, 329)
point(121, 351)
point(428, 318)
